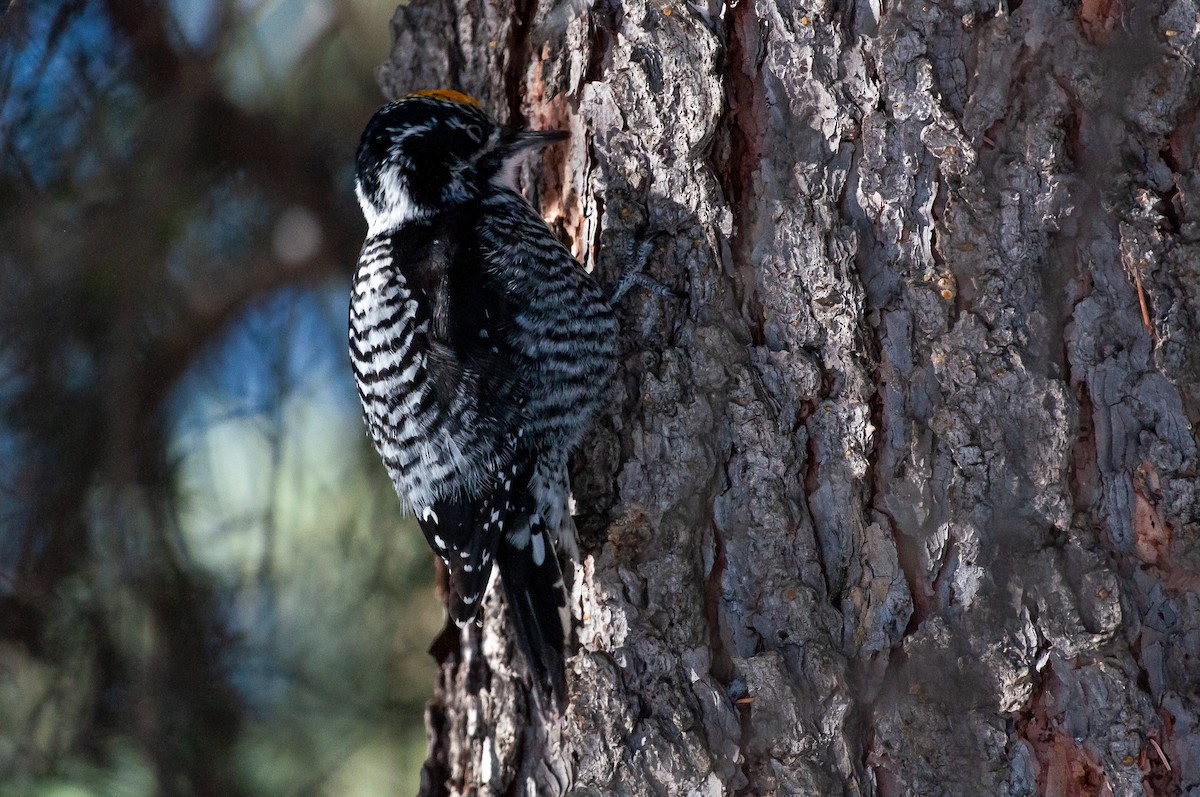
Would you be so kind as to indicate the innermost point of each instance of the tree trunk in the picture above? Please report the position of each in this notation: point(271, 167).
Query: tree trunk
point(900, 496)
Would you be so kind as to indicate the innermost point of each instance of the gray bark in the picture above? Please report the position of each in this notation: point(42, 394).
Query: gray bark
point(900, 498)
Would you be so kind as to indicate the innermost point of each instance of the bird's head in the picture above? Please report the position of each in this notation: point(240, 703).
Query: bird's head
point(431, 152)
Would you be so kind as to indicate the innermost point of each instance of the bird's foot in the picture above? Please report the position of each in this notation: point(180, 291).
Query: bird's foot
point(636, 257)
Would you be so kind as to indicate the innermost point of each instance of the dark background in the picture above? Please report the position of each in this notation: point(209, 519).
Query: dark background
point(206, 583)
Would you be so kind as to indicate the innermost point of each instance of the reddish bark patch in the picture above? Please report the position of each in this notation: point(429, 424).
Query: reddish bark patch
point(748, 124)
point(887, 784)
point(1099, 18)
point(1065, 768)
point(563, 211)
point(1180, 149)
point(748, 111)
point(1152, 535)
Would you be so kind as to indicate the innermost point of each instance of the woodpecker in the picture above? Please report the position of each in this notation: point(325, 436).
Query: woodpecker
point(482, 351)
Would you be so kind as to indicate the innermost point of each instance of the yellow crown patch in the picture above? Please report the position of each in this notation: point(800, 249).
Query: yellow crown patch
point(447, 94)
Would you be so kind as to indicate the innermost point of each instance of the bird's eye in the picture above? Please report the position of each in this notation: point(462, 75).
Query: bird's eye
point(475, 132)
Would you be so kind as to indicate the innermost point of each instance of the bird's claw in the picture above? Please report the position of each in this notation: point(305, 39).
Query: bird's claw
point(636, 258)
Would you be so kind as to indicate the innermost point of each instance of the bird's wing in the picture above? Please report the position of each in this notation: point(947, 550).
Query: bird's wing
point(480, 348)
point(465, 532)
point(480, 393)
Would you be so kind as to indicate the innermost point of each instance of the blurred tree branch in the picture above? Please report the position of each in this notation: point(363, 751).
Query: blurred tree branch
point(104, 310)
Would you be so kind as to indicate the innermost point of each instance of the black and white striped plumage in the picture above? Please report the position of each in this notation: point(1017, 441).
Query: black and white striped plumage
point(482, 351)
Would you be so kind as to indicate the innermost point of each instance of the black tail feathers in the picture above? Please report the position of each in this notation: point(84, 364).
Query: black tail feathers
point(537, 602)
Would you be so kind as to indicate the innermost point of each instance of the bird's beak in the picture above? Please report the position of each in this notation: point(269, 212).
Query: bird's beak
point(517, 141)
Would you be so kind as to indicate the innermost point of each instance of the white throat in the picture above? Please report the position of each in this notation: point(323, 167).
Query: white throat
point(507, 176)
point(394, 209)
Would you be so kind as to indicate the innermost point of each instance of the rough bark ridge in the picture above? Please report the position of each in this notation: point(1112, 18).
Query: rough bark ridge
point(900, 499)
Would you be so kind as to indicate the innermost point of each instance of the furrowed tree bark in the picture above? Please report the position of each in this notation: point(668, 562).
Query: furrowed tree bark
point(900, 496)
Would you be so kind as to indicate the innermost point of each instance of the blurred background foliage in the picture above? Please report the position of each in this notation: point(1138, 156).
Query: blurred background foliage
point(206, 583)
